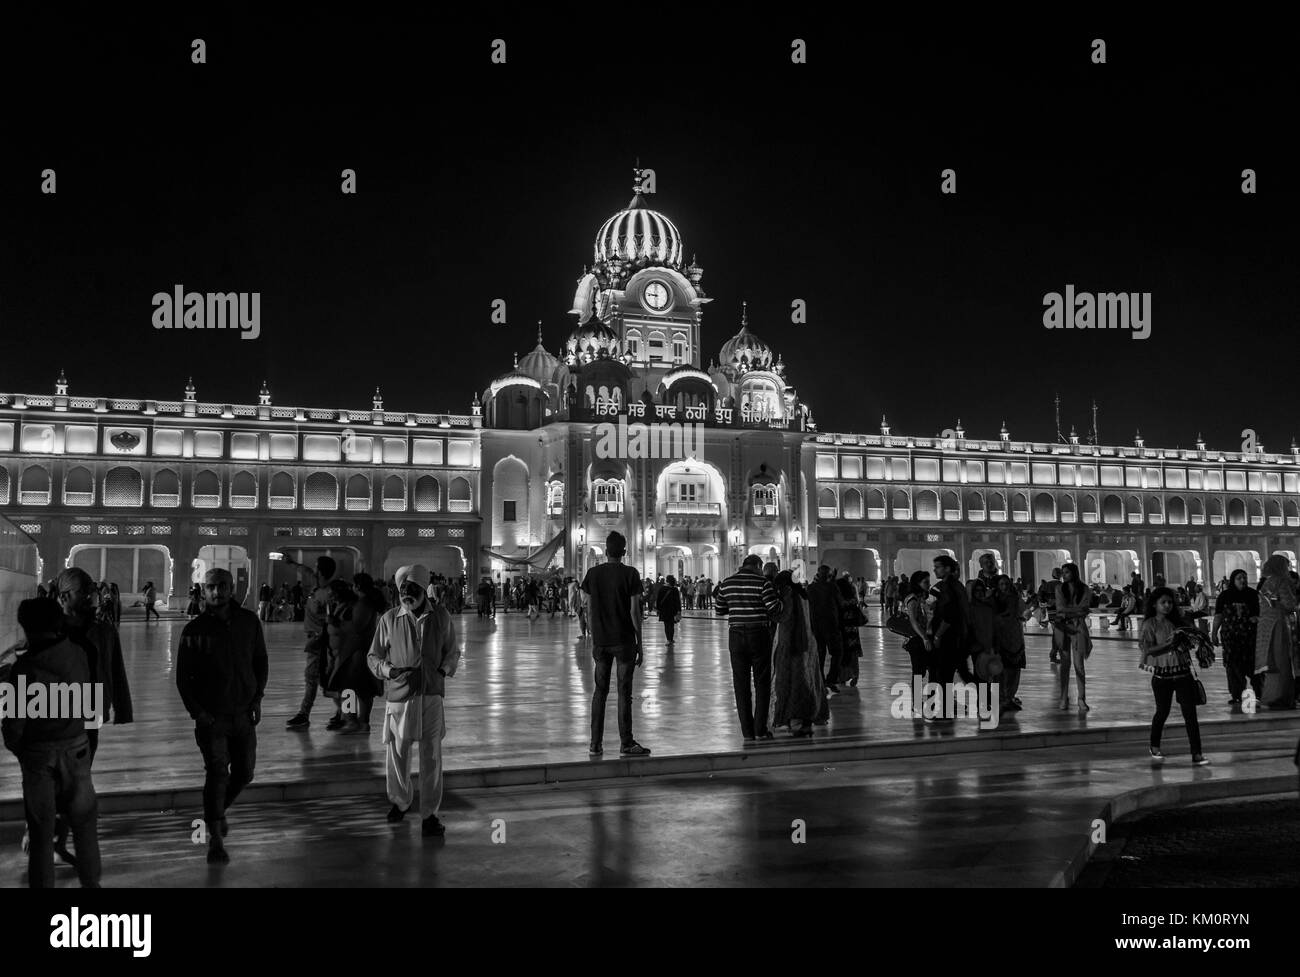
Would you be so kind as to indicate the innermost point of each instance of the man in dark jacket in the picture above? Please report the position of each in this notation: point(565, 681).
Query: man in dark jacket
point(221, 670)
point(98, 639)
point(826, 607)
point(53, 752)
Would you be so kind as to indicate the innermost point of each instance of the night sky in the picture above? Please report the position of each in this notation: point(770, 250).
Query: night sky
point(818, 182)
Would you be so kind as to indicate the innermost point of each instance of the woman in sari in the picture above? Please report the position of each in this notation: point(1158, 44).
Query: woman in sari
point(798, 694)
point(1273, 643)
point(1073, 602)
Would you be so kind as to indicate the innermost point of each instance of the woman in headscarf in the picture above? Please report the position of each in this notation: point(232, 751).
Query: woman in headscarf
point(797, 689)
point(1273, 643)
point(852, 618)
point(350, 625)
point(1236, 616)
point(1073, 602)
point(1009, 616)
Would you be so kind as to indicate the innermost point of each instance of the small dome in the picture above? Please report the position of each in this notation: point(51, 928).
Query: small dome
point(539, 364)
point(591, 338)
point(745, 351)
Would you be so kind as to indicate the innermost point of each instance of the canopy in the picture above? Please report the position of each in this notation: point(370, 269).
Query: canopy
point(536, 561)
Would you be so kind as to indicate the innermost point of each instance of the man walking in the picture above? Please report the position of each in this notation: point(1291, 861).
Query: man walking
point(53, 752)
point(414, 651)
point(221, 670)
point(748, 601)
point(264, 595)
point(96, 636)
point(314, 613)
point(613, 592)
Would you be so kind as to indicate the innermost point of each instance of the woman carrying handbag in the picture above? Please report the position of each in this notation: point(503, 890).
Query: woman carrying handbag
point(1167, 658)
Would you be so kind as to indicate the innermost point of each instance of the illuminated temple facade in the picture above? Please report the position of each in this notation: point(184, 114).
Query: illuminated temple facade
point(548, 461)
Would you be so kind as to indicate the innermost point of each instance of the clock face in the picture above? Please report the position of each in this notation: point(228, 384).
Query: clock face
point(656, 296)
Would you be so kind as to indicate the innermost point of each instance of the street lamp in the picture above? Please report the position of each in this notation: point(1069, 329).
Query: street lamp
point(795, 536)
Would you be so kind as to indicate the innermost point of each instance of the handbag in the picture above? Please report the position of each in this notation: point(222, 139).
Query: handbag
point(900, 624)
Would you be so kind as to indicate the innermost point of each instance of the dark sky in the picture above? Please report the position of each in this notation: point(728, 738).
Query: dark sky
point(818, 182)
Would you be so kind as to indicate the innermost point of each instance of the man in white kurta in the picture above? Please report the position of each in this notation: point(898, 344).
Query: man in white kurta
point(414, 651)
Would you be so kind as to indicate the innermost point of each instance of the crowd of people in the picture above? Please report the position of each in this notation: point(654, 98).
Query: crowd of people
point(792, 647)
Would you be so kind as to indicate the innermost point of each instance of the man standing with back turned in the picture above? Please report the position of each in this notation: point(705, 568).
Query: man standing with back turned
point(614, 607)
point(749, 601)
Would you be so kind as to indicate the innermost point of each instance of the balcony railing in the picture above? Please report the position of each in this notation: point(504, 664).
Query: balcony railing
point(603, 505)
point(282, 501)
point(394, 505)
point(78, 498)
point(34, 498)
point(243, 502)
point(765, 508)
point(165, 500)
point(460, 505)
point(353, 504)
point(694, 508)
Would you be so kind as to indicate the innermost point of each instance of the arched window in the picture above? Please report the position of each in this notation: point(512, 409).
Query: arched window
point(1019, 507)
point(634, 343)
point(951, 506)
point(4, 485)
point(927, 505)
point(1274, 511)
point(1216, 512)
point(1134, 510)
point(875, 504)
point(1292, 512)
point(1196, 512)
point(1067, 513)
point(764, 499)
point(34, 486)
point(357, 496)
point(1044, 508)
point(852, 504)
point(1112, 509)
point(997, 507)
point(243, 491)
point(1155, 512)
point(1256, 509)
point(975, 510)
point(78, 487)
point(284, 493)
point(321, 491)
point(1236, 512)
point(900, 505)
point(428, 494)
point(394, 494)
point(206, 491)
point(1088, 508)
point(608, 495)
point(165, 489)
point(555, 497)
point(679, 348)
point(827, 507)
point(123, 487)
point(1177, 511)
point(460, 496)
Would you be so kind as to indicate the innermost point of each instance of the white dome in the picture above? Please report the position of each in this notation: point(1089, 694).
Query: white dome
point(639, 233)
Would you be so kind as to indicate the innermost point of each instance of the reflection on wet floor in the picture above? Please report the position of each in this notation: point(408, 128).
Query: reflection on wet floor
point(522, 696)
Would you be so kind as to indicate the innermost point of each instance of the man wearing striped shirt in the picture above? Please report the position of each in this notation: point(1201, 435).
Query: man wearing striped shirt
point(749, 601)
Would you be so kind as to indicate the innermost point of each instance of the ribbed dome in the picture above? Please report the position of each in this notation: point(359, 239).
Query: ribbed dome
point(591, 337)
point(637, 233)
point(746, 347)
point(539, 364)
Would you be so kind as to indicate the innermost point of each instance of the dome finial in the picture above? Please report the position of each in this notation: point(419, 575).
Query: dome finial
point(539, 332)
point(744, 314)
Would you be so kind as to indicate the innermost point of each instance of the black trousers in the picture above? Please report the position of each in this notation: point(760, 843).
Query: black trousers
point(1165, 690)
point(229, 748)
point(751, 655)
point(831, 645)
point(605, 657)
point(670, 629)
